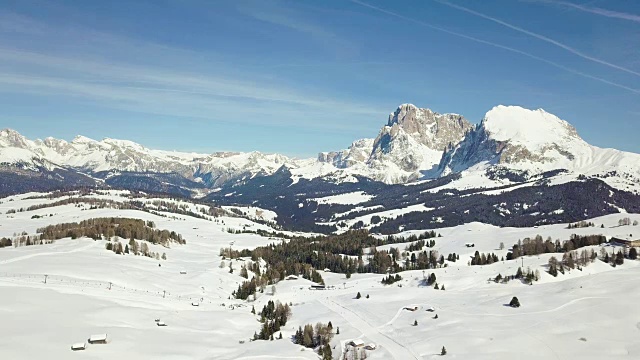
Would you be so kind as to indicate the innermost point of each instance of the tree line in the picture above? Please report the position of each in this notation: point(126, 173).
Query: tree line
point(538, 246)
point(109, 228)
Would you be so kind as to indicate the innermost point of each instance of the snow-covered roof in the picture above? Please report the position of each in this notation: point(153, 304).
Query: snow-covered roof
point(98, 337)
point(357, 342)
point(626, 237)
point(78, 346)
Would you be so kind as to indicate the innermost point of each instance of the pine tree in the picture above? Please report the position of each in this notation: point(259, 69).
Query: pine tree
point(280, 336)
point(367, 296)
point(443, 352)
point(326, 352)
point(514, 302)
point(338, 330)
point(633, 253)
point(358, 296)
point(253, 310)
point(415, 323)
point(126, 249)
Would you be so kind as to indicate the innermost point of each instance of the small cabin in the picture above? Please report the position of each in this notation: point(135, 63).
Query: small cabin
point(470, 245)
point(98, 339)
point(370, 346)
point(156, 320)
point(78, 346)
point(317, 287)
point(183, 272)
point(357, 343)
point(626, 240)
point(327, 270)
point(161, 323)
point(431, 309)
point(195, 303)
point(414, 308)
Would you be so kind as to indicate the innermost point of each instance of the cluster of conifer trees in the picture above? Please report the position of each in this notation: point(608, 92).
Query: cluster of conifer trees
point(318, 337)
point(100, 228)
point(388, 280)
point(273, 317)
point(484, 259)
point(418, 245)
point(5, 242)
point(538, 246)
point(580, 224)
point(134, 247)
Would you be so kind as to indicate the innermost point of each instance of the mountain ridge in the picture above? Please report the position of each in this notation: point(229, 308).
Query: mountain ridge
point(415, 143)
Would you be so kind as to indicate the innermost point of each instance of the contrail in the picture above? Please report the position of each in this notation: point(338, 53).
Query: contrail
point(540, 37)
point(596, 10)
point(496, 45)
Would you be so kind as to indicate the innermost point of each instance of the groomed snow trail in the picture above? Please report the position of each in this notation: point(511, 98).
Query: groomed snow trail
point(51, 253)
point(397, 350)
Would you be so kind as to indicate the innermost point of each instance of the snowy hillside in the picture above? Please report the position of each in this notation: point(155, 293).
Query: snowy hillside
point(587, 312)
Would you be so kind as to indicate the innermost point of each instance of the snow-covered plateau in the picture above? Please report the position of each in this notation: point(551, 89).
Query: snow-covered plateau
point(59, 294)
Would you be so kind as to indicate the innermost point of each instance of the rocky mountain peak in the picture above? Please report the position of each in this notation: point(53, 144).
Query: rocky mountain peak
point(82, 140)
point(427, 127)
point(12, 138)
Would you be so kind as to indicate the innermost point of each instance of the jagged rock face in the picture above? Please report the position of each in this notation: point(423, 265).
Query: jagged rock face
point(358, 153)
point(11, 138)
point(414, 138)
point(429, 128)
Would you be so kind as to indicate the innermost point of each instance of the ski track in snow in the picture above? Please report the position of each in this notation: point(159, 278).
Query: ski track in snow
point(397, 350)
point(25, 257)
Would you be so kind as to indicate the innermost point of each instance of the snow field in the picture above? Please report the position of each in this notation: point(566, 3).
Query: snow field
point(595, 304)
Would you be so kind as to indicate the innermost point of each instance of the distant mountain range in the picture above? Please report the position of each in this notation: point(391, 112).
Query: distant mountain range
point(511, 148)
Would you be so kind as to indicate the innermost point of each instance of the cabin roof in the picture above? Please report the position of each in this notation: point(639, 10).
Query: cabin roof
point(98, 337)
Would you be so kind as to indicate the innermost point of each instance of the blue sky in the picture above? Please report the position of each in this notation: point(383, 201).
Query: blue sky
point(299, 77)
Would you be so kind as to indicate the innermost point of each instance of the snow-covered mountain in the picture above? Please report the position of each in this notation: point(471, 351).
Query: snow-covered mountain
point(414, 144)
point(110, 155)
point(531, 142)
point(411, 142)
